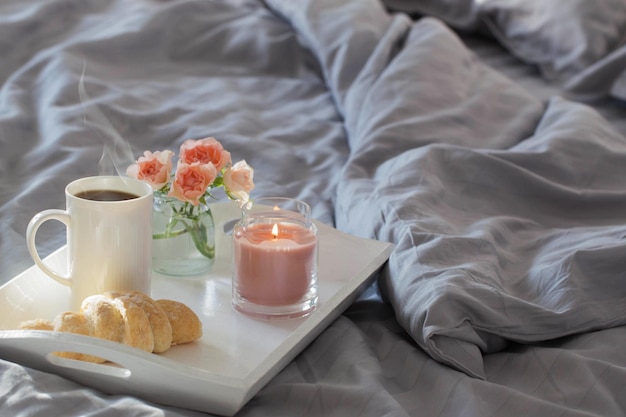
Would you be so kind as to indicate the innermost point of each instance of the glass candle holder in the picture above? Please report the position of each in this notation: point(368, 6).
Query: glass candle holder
point(275, 258)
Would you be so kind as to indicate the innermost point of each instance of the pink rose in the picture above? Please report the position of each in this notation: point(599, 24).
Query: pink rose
point(238, 181)
point(205, 151)
point(192, 180)
point(153, 168)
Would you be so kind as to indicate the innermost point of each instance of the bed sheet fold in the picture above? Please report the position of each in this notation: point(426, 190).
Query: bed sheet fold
point(578, 45)
point(508, 212)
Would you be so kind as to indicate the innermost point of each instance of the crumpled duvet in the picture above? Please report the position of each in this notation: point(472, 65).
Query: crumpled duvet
point(509, 214)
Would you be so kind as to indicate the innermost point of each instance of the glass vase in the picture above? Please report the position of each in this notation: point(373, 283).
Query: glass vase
point(183, 237)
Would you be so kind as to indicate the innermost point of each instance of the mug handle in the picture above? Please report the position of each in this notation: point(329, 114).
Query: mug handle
point(39, 218)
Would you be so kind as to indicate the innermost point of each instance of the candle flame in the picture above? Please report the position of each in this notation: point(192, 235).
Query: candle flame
point(275, 231)
point(276, 208)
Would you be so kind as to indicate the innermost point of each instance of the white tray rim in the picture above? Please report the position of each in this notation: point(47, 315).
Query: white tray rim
point(33, 348)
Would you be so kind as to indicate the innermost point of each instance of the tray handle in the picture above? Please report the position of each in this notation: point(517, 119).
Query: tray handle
point(132, 371)
point(109, 368)
point(32, 346)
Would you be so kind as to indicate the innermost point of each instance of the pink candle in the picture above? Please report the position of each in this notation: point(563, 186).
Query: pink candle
point(274, 263)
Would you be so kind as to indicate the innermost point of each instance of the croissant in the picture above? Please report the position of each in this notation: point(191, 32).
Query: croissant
point(128, 317)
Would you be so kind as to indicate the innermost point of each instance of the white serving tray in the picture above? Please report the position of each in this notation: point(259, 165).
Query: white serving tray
point(219, 373)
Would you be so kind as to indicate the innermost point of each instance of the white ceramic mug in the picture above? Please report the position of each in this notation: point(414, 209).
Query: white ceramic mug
point(109, 243)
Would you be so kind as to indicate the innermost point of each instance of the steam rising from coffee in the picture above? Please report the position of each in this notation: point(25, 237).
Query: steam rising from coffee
point(117, 154)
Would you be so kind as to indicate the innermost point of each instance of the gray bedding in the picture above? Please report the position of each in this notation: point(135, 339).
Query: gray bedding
point(578, 44)
point(506, 292)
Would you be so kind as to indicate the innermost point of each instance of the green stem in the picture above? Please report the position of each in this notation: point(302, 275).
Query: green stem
point(197, 231)
point(169, 230)
point(193, 225)
point(166, 235)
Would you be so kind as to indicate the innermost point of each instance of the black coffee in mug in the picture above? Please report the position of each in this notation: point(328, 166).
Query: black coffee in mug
point(105, 195)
